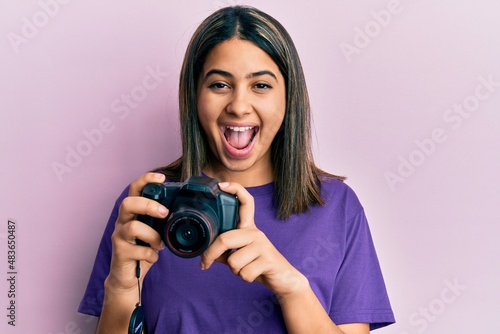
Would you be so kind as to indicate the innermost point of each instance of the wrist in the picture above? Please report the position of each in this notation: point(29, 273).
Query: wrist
point(119, 303)
point(296, 286)
point(113, 285)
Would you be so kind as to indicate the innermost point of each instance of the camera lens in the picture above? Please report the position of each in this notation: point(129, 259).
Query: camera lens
point(186, 234)
point(189, 232)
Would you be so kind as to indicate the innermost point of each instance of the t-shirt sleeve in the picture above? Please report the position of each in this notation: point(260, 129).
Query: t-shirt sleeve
point(93, 298)
point(360, 295)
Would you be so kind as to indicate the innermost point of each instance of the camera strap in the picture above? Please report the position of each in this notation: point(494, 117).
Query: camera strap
point(136, 323)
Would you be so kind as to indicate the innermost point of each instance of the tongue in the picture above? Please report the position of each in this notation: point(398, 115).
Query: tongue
point(239, 139)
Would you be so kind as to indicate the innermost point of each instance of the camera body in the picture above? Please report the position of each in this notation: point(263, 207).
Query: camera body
point(198, 212)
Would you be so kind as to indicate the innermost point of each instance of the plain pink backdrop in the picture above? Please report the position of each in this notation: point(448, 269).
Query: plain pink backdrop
point(406, 103)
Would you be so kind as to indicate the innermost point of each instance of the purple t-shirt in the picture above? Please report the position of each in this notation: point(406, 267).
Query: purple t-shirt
point(330, 244)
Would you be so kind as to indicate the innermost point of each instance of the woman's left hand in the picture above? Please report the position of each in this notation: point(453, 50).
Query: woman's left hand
point(251, 254)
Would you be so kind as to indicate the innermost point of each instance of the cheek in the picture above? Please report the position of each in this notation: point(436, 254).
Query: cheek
point(275, 115)
point(208, 123)
point(203, 112)
point(204, 120)
point(277, 123)
point(280, 109)
point(207, 108)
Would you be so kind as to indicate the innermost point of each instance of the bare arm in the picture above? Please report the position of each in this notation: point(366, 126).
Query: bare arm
point(116, 311)
point(256, 259)
point(303, 313)
point(120, 287)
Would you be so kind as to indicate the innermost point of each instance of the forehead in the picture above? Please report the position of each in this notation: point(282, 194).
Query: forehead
point(239, 57)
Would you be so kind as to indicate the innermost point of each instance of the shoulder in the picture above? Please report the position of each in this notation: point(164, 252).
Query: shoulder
point(338, 193)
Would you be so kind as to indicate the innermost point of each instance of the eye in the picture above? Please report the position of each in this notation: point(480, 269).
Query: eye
point(262, 86)
point(218, 85)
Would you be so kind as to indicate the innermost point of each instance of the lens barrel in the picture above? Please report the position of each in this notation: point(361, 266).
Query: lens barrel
point(189, 232)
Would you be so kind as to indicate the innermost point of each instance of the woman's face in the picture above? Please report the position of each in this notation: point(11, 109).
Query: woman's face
point(241, 105)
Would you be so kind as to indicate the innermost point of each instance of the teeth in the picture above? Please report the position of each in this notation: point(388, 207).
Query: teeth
point(239, 128)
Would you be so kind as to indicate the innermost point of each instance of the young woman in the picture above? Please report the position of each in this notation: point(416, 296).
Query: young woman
point(301, 259)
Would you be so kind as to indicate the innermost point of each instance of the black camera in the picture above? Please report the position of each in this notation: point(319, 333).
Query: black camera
point(198, 212)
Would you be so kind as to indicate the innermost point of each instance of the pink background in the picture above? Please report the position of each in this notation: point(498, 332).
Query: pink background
point(384, 79)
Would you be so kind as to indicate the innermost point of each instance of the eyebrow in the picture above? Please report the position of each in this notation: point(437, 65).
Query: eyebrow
point(248, 76)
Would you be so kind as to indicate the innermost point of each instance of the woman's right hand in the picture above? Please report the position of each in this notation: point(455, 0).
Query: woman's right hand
point(120, 296)
point(126, 252)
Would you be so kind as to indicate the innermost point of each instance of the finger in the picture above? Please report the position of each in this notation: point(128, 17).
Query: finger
point(252, 270)
point(136, 205)
point(137, 186)
point(233, 239)
point(247, 207)
point(221, 259)
point(242, 257)
point(138, 230)
point(125, 251)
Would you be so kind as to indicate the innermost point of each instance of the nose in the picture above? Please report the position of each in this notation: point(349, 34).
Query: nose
point(239, 104)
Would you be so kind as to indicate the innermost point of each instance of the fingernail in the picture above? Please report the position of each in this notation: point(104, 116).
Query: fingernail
point(158, 176)
point(202, 266)
point(162, 210)
point(223, 184)
point(162, 245)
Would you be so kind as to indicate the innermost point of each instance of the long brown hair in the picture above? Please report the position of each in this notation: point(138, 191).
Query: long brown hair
point(296, 177)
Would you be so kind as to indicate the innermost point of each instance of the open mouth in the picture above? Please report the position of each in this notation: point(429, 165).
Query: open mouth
point(240, 137)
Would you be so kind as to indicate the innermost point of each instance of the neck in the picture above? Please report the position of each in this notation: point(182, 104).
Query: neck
point(246, 178)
